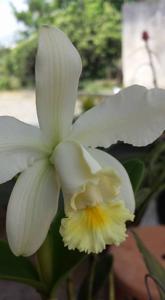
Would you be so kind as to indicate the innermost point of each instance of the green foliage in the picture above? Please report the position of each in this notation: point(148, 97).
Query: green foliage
point(98, 86)
point(39, 12)
point(87, 103)
point(54, 262)
point(135, 170)
point(154, 179)
point(18, 268)
point(93, 26)
point(17, 65)
point(22, 61)
point(52, 255)
point(119, 3)
point(95, 29)
point(156, 271)
point(7, 80)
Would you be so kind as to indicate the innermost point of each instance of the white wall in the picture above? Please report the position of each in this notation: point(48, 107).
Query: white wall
point(138, 17)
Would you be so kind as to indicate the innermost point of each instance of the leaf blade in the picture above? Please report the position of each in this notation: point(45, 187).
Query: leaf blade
point(19, 269)
point(154, 267)
point(135, 169)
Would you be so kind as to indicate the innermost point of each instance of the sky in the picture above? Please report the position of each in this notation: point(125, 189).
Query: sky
point(8, 23)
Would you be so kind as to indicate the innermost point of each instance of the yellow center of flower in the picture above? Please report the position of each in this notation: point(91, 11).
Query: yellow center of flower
point(96, 217)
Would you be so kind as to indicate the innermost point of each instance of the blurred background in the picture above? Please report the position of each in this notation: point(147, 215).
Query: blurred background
point(120, 42)
point(93, 26)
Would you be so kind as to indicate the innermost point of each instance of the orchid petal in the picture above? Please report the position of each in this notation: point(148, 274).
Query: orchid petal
point(135, 115)
point(58, 67)
point(108, 161)
point(32, 207)
point(20, 145)
point(74, 165)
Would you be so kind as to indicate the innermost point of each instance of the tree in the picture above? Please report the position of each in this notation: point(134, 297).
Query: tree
point(93, 26)
point(95, 29)
point(38, 12)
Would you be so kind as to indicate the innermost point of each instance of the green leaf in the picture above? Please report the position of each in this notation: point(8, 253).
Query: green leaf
point(56, 261)
point(142, 197)
point(135, 169)
point(154, 267)
point(18, 268)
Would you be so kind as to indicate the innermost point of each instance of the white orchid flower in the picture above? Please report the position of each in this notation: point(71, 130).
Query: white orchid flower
point(98, 196)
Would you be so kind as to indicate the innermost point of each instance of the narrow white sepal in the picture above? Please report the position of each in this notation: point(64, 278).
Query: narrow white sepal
point(58, 67)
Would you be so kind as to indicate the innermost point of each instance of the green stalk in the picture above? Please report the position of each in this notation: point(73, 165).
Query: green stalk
point(91, 277)
point(70, 289)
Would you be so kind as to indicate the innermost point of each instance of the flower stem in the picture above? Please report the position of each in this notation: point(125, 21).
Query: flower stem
point(111, 286)
point(91, 277)
point(149, 52)
point(70, 289)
